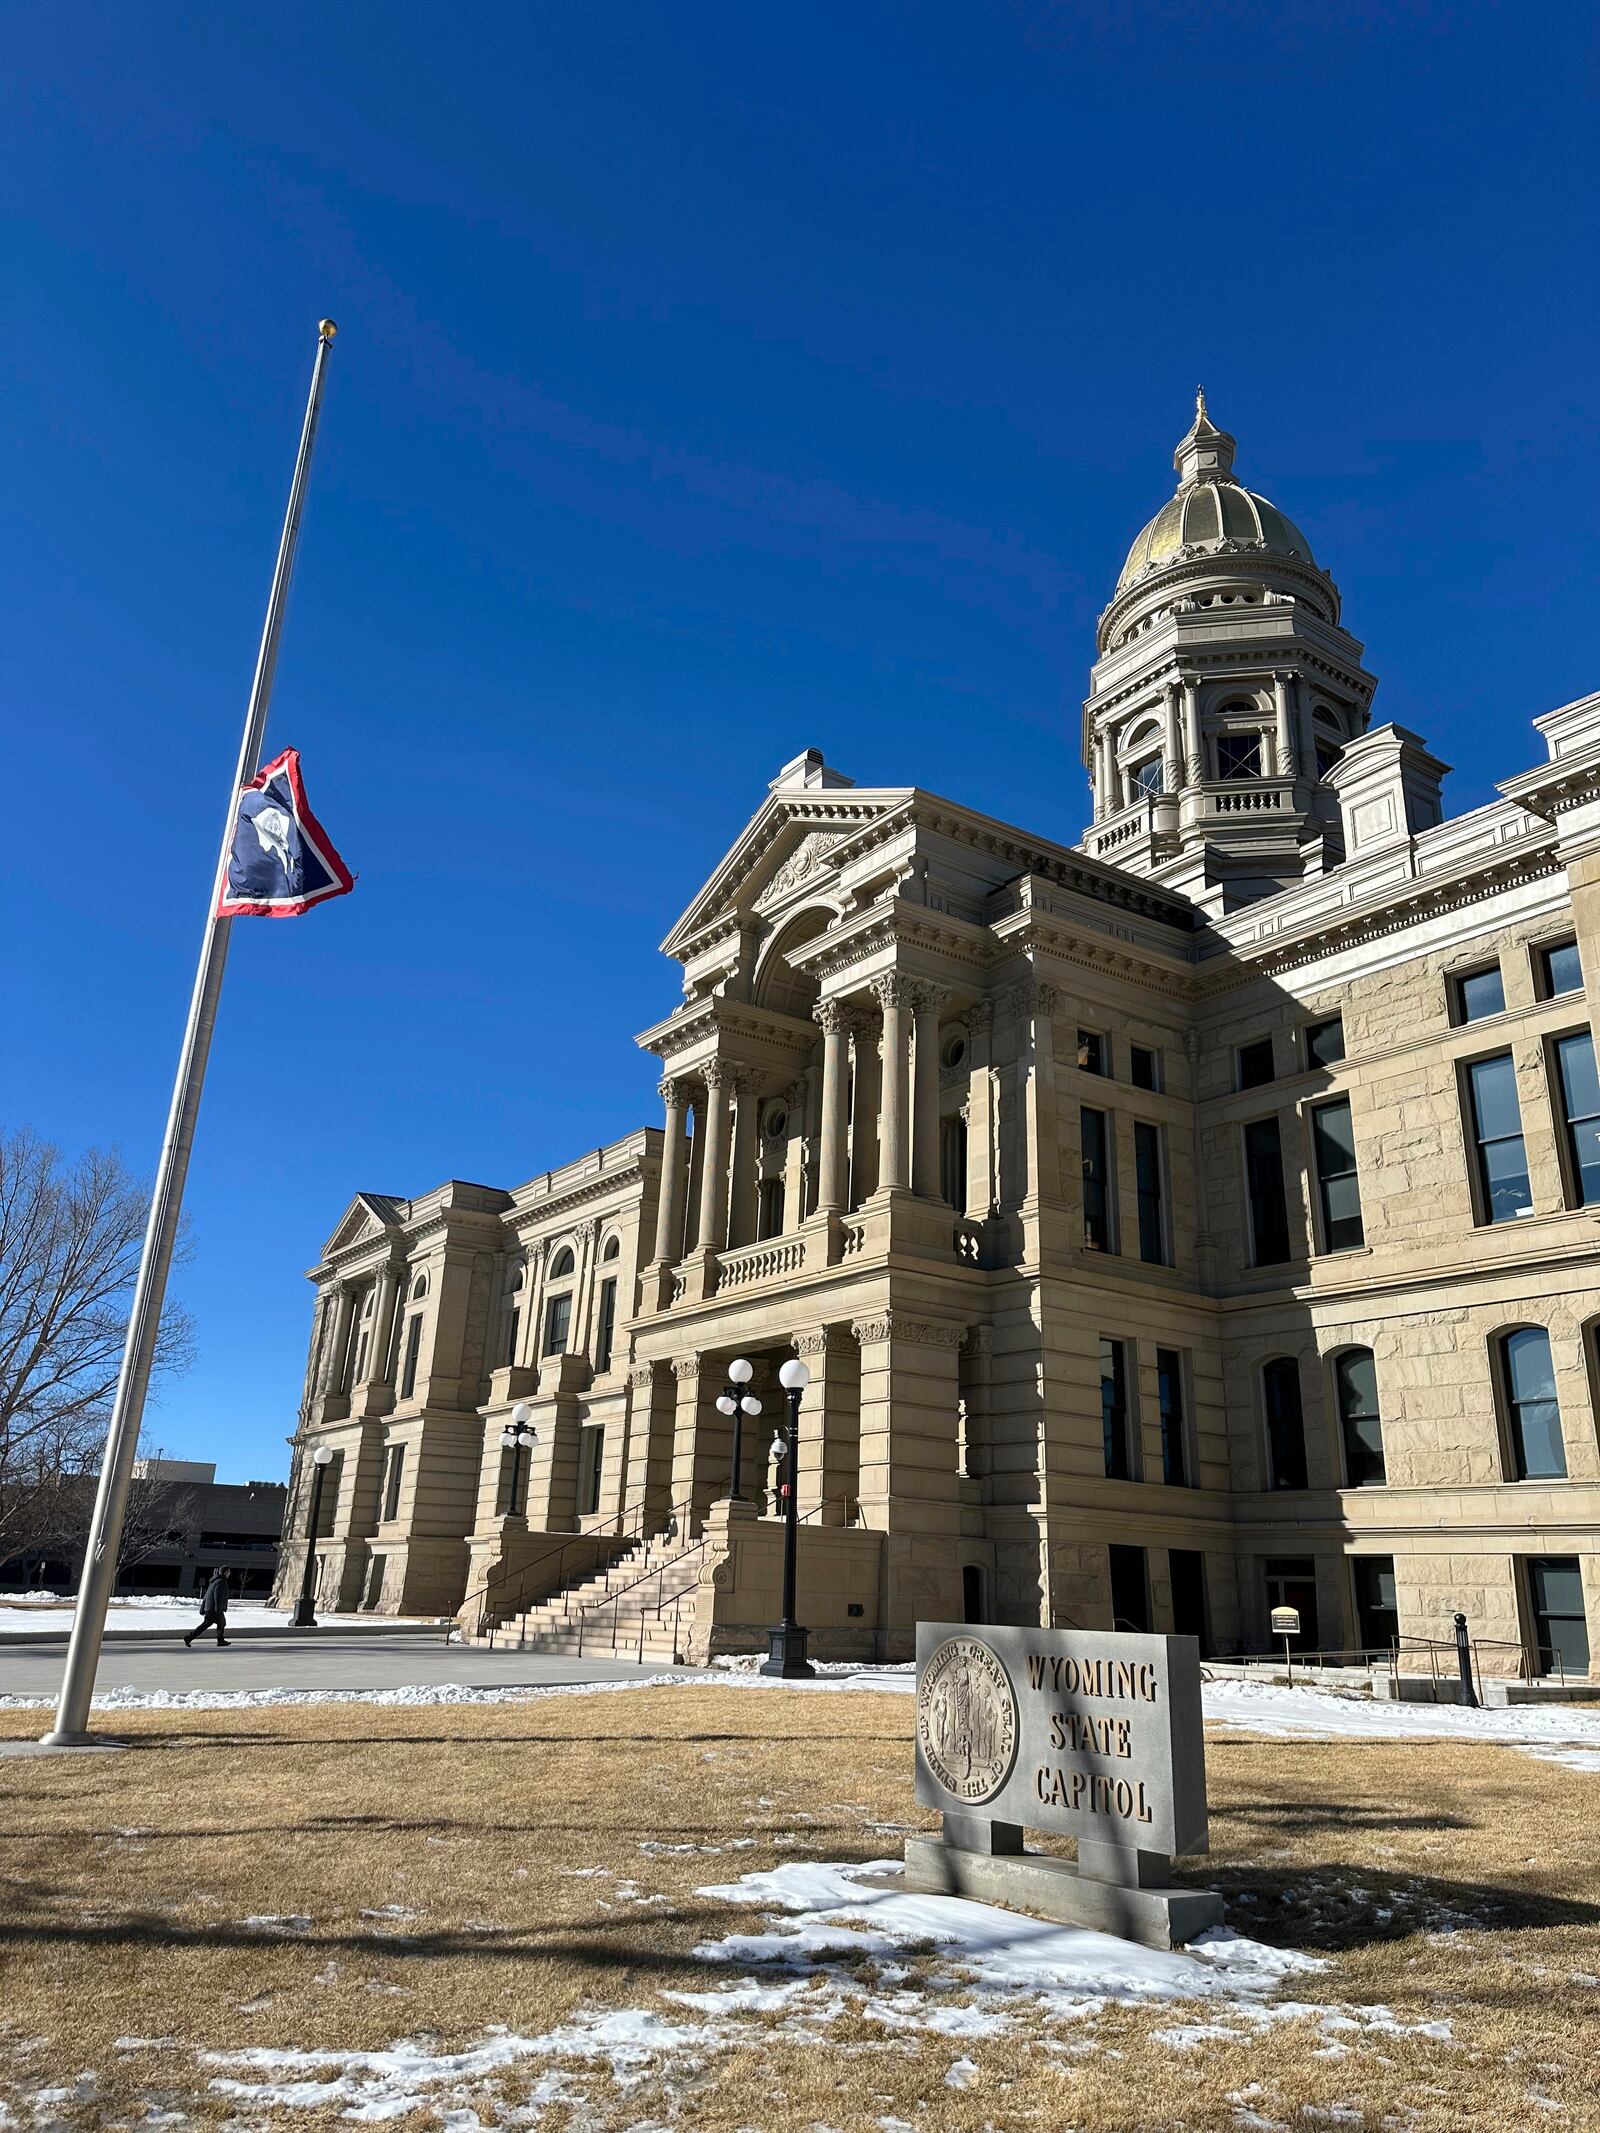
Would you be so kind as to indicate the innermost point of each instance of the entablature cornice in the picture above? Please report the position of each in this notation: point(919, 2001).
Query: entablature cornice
point(1421, 898)
point(685, 1040)
point(1555, 788)
point(623, 1185)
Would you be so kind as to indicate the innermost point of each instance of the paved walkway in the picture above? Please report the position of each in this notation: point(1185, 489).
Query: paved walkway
point(309, 1659)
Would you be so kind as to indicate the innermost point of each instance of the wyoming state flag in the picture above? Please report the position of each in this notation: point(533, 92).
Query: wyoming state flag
point(280, 862)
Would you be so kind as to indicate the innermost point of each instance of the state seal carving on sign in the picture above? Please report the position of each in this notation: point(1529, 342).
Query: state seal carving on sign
point(967, 1719)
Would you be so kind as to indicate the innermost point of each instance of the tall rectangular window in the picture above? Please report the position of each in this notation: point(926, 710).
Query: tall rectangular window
point(1333, 1144)
point(1291, 1581)
point(1286, 1429)
point(557, 1319)
point(1114, 1419)
point(1238, 755)
point(591, 1462)
point(1580, 1115)
point(1186, 1573)
point(1254, 1063)
point(408, 1376)
point(953, 1161)
point(1477, 993)
point(1269, 1209)
point(1533, 1414)
point(1174, 1422)
point(1504, 1192)
point(1560, 970)
point(605, 1339)
point(1096, 1142)
point(1144, 1066)
point(513, 1328)
point(1130, 1590)
point(1147, 1177)
point(1377, 1609)
point(769, 1208)
point(1325, 1042)
point(1355, 1380)
point(1560, 1628)
point(1091, 1052)
point(392, 1479)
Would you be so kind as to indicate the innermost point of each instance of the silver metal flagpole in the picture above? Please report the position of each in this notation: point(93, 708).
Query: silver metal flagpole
point(155, 1261)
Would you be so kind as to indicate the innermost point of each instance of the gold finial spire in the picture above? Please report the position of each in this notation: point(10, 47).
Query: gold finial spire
point(1199, 403)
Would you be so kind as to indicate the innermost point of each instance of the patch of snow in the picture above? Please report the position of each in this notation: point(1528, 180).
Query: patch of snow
point(1268, 1707)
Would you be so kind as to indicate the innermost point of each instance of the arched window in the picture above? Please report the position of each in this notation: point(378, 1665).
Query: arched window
point(1239, 747)
point(419, 1288)
point(558, 1307)
point(1286, 1428)
point(515, 1282)
point(1355, 1383)
point(613, 1248)
point(1533, 1417)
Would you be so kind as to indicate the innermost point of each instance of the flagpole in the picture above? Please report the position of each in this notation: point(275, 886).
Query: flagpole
point(155, 1261)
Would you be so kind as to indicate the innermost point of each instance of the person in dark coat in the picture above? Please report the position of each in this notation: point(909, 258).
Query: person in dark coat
point(213, 1609)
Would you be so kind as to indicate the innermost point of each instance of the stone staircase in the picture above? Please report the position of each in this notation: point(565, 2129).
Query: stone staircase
point(641, 1606)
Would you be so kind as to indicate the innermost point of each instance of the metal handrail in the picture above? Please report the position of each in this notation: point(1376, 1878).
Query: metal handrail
point(683, 1555)
point(526, 1571)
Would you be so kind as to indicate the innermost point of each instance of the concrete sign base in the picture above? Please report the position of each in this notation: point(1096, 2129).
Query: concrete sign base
point(1058, 1889)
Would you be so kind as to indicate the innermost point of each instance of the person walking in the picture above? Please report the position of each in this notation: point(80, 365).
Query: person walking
point(213, 1609)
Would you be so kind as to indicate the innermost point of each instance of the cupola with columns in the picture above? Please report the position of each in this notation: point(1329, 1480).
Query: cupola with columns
point(1224, 692)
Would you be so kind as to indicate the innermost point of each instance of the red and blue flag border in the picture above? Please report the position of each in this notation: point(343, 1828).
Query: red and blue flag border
point(311, 830)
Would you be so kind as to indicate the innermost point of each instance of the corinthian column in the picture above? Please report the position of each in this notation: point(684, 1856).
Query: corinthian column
point(928, 1002)
point(1285, 733)
point(669, 1207)
point(382, 1335)
point(742, 1207)
point(893, 995)
point(714, 1174)
point(835, 1023)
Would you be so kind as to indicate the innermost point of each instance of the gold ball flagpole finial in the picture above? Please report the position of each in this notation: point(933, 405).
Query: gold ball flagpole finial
point(326, 329)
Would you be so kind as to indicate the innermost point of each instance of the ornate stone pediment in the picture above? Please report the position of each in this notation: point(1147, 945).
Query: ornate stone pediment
point(786, 847)
point(368, 1216)
point(808, 858)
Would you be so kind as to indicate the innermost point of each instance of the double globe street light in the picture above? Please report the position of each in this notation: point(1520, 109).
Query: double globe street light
point(786, 1640)
point(516, 1438)
point(304, 1616)
point(737, 1400)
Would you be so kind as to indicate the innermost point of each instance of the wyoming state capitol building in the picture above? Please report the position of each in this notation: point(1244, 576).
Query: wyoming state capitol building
point(1196, 1220)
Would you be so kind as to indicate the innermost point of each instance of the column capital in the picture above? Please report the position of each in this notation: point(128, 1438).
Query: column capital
point(833, 1017)
point(822, 1340)
point(673, 1089)
point(928, 998)
point(641, 1376)
point(979, 1016)
point(894, 1325)
point(1033, 997)
point(685, 1367)
point(893, 989)
point(720, 1074)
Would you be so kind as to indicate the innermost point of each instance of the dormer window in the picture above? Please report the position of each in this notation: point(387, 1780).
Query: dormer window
point(1238, 755)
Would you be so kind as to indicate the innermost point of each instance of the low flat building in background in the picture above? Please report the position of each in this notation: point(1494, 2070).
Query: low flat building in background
point(182, 1525)
point(1196, 1220)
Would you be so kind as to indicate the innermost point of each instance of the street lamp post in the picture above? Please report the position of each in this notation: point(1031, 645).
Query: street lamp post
point(735, 1399)
point(786, 1640)
point(304, 1616)
point(518, 1438)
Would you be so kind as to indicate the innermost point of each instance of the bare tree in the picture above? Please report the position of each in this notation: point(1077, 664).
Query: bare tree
point(69, 1249)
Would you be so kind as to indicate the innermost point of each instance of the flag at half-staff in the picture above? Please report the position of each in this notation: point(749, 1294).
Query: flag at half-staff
point(281, 860)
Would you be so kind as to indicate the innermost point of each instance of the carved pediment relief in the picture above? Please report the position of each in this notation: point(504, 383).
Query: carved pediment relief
point(367, 1216)
point(807, 858)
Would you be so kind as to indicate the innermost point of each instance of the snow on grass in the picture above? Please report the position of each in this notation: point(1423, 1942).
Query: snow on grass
point(1269, 1708)
point(29, 1614)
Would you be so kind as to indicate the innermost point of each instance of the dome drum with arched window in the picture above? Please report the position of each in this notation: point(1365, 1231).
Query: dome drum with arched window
point(1225, 692)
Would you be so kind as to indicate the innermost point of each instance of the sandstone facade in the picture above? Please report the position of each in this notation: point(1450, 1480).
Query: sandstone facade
point(1039, 1157)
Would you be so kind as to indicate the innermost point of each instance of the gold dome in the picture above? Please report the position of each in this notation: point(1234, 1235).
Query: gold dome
point(1210, 508)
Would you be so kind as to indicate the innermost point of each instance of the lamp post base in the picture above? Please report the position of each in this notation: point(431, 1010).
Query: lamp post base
point(303, 1616)
point(786, 1653)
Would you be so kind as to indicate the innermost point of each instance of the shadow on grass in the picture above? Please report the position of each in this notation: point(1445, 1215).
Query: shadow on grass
point(1330, 1907)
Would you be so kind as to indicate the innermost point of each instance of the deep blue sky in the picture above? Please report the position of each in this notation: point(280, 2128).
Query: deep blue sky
point(713, 381)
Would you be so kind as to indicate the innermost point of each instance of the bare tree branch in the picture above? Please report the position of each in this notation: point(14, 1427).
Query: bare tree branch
point(70, 1236)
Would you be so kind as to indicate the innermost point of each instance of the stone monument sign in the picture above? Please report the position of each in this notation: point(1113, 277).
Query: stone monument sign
point(1082, 1733)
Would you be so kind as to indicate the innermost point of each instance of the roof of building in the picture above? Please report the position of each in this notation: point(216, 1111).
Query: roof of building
point(1211, 507)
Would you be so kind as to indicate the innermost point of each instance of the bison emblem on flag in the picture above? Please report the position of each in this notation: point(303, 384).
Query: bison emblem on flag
point(280, 860)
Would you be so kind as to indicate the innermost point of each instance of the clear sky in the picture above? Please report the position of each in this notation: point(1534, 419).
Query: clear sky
point(713, 381)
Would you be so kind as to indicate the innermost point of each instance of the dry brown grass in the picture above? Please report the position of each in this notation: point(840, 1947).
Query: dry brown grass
point(126, 1881)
